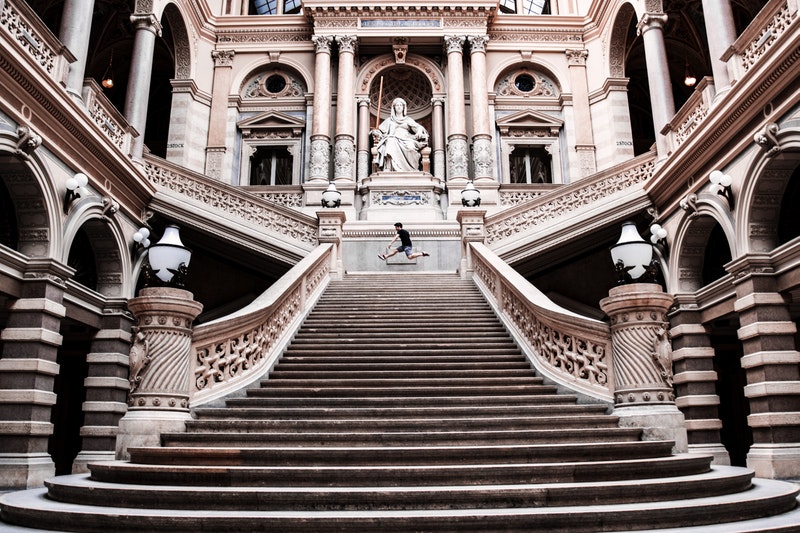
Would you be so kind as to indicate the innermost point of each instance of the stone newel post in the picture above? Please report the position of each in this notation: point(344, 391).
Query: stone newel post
point(160, 366)
point(643, 393)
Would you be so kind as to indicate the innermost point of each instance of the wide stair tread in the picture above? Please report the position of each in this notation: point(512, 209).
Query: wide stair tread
point(402, 404)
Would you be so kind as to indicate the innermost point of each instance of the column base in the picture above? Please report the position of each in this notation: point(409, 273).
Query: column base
point(81, 463)
point(717, 451)
point(775, 461)
point(658, 422)
point(25, 470)
point(144, 429)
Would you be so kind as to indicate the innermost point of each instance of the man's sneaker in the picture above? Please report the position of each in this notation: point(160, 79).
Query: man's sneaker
point(425, 254)
point(382, 257)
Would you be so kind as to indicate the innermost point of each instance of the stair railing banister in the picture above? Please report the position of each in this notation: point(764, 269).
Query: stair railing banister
point(234, 351)
point(572, 350)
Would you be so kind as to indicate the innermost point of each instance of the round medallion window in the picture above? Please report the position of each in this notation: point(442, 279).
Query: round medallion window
point(275, 84)
point(525, 83)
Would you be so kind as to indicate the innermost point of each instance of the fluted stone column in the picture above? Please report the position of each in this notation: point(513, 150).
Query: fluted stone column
point(106, 388)
point(720, 34)
point(482, 153)
point(437, 124)
point(695, 381)
point(651, 26)
point(584, 139)
point(75, 31)
point(137, 95)
point(319, 162)
point(772, 365)
point(218, 118)
point(457, 150)
point(28, 368)
point(642, 355)
point(344, 146)
point(160, 367)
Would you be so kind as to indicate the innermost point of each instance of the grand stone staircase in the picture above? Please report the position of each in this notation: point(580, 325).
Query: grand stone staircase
point(403, 405)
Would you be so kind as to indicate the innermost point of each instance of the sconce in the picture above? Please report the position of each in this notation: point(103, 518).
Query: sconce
point(470, 196)
point(658, 236)
point(76, 186)
point(331, 198)
point(168, 260)
point(140, 238)
point(108, 76)
point(633, 256)
point(722, 185)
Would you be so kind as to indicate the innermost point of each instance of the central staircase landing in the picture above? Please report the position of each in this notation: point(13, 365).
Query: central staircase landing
point(402, 404)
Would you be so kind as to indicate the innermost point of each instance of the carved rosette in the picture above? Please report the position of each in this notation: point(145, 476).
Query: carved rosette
point(319, 160)
point(457, 157)
point(344, 158)
point(482, 157)
point(640, 344)
point(160, 355)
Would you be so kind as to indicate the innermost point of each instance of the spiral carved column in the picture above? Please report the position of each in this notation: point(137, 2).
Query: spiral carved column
point(160, 366)
point(643, 392)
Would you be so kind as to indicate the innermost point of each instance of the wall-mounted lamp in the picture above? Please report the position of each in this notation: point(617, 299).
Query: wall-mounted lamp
point(633, 256)
point(168, 260)
point(141, 237)
point(108, 75)
point(76, 187)
point(331, 198)
point(689, 78)
point(722, 185)
point(470, 196)
point(658, 236)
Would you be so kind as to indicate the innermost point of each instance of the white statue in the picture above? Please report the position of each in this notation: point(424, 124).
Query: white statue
point(399, 140)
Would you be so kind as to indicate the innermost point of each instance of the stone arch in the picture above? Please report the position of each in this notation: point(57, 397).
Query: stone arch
point(180, 39)
point(763, 188)
point(243, 76)
point(95, 242)
point(36, 204)
point(369, 75)
point(617, 49)
point(691, 242)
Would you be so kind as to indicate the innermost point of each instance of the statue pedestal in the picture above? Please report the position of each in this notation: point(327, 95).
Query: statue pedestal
point(401, 196)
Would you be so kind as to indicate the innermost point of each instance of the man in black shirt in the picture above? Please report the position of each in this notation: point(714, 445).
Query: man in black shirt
point(405, 245)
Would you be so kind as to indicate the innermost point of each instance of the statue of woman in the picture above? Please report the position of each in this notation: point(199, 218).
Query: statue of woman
point(400, 139)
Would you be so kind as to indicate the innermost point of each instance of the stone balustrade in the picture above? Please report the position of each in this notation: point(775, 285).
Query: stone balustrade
point(236, 350)
point(568, 348)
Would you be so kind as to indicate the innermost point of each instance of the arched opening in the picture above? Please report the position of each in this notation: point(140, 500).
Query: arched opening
point(789, 217)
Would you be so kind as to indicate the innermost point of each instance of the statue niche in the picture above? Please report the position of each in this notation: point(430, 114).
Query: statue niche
point(400, 142)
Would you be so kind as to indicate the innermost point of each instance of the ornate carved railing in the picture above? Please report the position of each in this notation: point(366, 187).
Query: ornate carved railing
point(691, 114)
point(777, 19)
point(106, 117)
point(570, 349)
point(566, 200)
point(285, 223)
point(232, 352)
point(31, 37)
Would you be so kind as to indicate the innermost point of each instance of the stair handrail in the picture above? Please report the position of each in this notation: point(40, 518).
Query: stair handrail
point(571, 350)
point(234, 351)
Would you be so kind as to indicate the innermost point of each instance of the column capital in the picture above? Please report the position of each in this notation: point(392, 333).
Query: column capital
point(362, 100)
point(146, 21)
point(437, 101)
point(223, 58)
point(477, 43)
point(454, 43)
point(322, 43)
point(347, 43)
point(750, 265)
point(577, 57)
point(650, 21)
